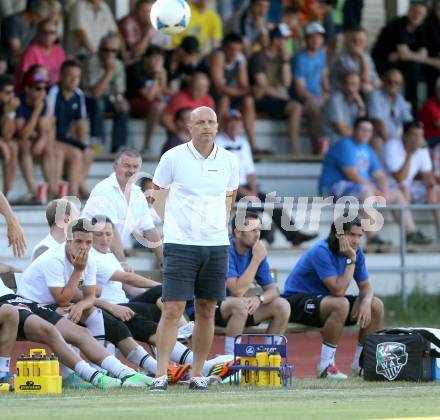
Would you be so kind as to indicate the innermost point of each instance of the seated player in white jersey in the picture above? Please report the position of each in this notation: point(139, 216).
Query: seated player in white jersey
point(63, 279)
point(140, 314)
point(19, 320)
point(59, 213)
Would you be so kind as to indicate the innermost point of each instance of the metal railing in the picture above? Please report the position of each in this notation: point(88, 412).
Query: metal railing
point(403, 268)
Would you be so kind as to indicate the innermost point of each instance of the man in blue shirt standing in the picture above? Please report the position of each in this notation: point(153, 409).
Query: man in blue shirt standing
point(351, 168)
point(248, 263)
point(316, 290)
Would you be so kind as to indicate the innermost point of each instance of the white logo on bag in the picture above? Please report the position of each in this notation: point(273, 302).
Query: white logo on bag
point(391, 357)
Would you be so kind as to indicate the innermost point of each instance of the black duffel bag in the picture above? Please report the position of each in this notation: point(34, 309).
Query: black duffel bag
point(400, 354)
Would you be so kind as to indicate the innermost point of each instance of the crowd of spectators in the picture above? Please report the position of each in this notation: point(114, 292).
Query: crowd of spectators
point(301, 62)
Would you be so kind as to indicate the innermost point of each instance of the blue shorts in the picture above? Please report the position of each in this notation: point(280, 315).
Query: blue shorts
point(194, 271)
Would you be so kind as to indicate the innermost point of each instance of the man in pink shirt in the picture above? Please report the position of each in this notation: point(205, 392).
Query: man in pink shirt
point(44, 52)
point(196, 95)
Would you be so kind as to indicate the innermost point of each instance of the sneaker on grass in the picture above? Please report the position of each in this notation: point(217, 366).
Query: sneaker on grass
point(331, 372)
point(199, 383)
point(138, 380)
point(106, 382)
point(176, 373)
point(160, 383)
point(74, 381)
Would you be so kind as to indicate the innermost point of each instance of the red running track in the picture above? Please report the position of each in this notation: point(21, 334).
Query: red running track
point(304, 352)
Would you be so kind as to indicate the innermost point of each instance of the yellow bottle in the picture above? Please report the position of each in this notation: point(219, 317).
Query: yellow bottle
point(44, 366)
point(247, 376)
point(31, 364)
point(21, 366)
point(275, 375)
point(55, 366)
point(262, 376)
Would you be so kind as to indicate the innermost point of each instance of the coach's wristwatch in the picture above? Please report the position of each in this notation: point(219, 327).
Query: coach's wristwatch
point(261, 298)
point(349, 261)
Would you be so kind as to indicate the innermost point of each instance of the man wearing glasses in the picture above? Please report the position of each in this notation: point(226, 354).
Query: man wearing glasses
point(105, 83)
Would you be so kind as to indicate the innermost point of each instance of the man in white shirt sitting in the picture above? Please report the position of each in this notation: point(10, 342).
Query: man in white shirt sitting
point(405, 159)
point(63, 281)
point(118, 198)
point(59, 214)
point(231, 139)
point(18, 319)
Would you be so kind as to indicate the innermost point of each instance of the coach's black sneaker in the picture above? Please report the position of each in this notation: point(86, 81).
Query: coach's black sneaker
point(160, 383)
point(199, 383)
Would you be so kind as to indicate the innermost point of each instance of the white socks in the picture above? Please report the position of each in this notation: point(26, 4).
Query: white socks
point(86, 372)
point(95, 324)
point(181, 354)
point(229, 345)
point(141, 358)
point(327, 355)
point(116, 368)
point(357, 354)
point(4, 366)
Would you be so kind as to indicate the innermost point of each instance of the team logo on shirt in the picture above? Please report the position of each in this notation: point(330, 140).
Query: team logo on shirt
point(391, 357)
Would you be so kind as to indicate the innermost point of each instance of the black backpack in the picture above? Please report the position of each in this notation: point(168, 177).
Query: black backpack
point(400, 354)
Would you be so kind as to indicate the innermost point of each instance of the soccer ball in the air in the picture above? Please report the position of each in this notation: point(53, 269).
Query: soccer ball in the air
point(170, 16)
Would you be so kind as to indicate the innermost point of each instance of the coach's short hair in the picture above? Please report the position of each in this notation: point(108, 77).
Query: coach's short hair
point(59, 205)
point(333, 241)
point(127, 151)
point(248, 215)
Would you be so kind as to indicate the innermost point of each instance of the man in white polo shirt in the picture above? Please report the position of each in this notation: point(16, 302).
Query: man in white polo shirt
point(195, 185)
point(118, 198)
point(59, 214)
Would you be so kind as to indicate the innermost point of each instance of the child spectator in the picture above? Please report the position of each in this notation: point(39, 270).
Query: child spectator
point(182, 134)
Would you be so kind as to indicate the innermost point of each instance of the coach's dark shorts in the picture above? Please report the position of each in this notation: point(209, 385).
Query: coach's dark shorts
point(305, 309)
point(191, 270)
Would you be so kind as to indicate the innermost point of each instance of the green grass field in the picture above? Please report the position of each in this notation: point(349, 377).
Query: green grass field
point(307, 399)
